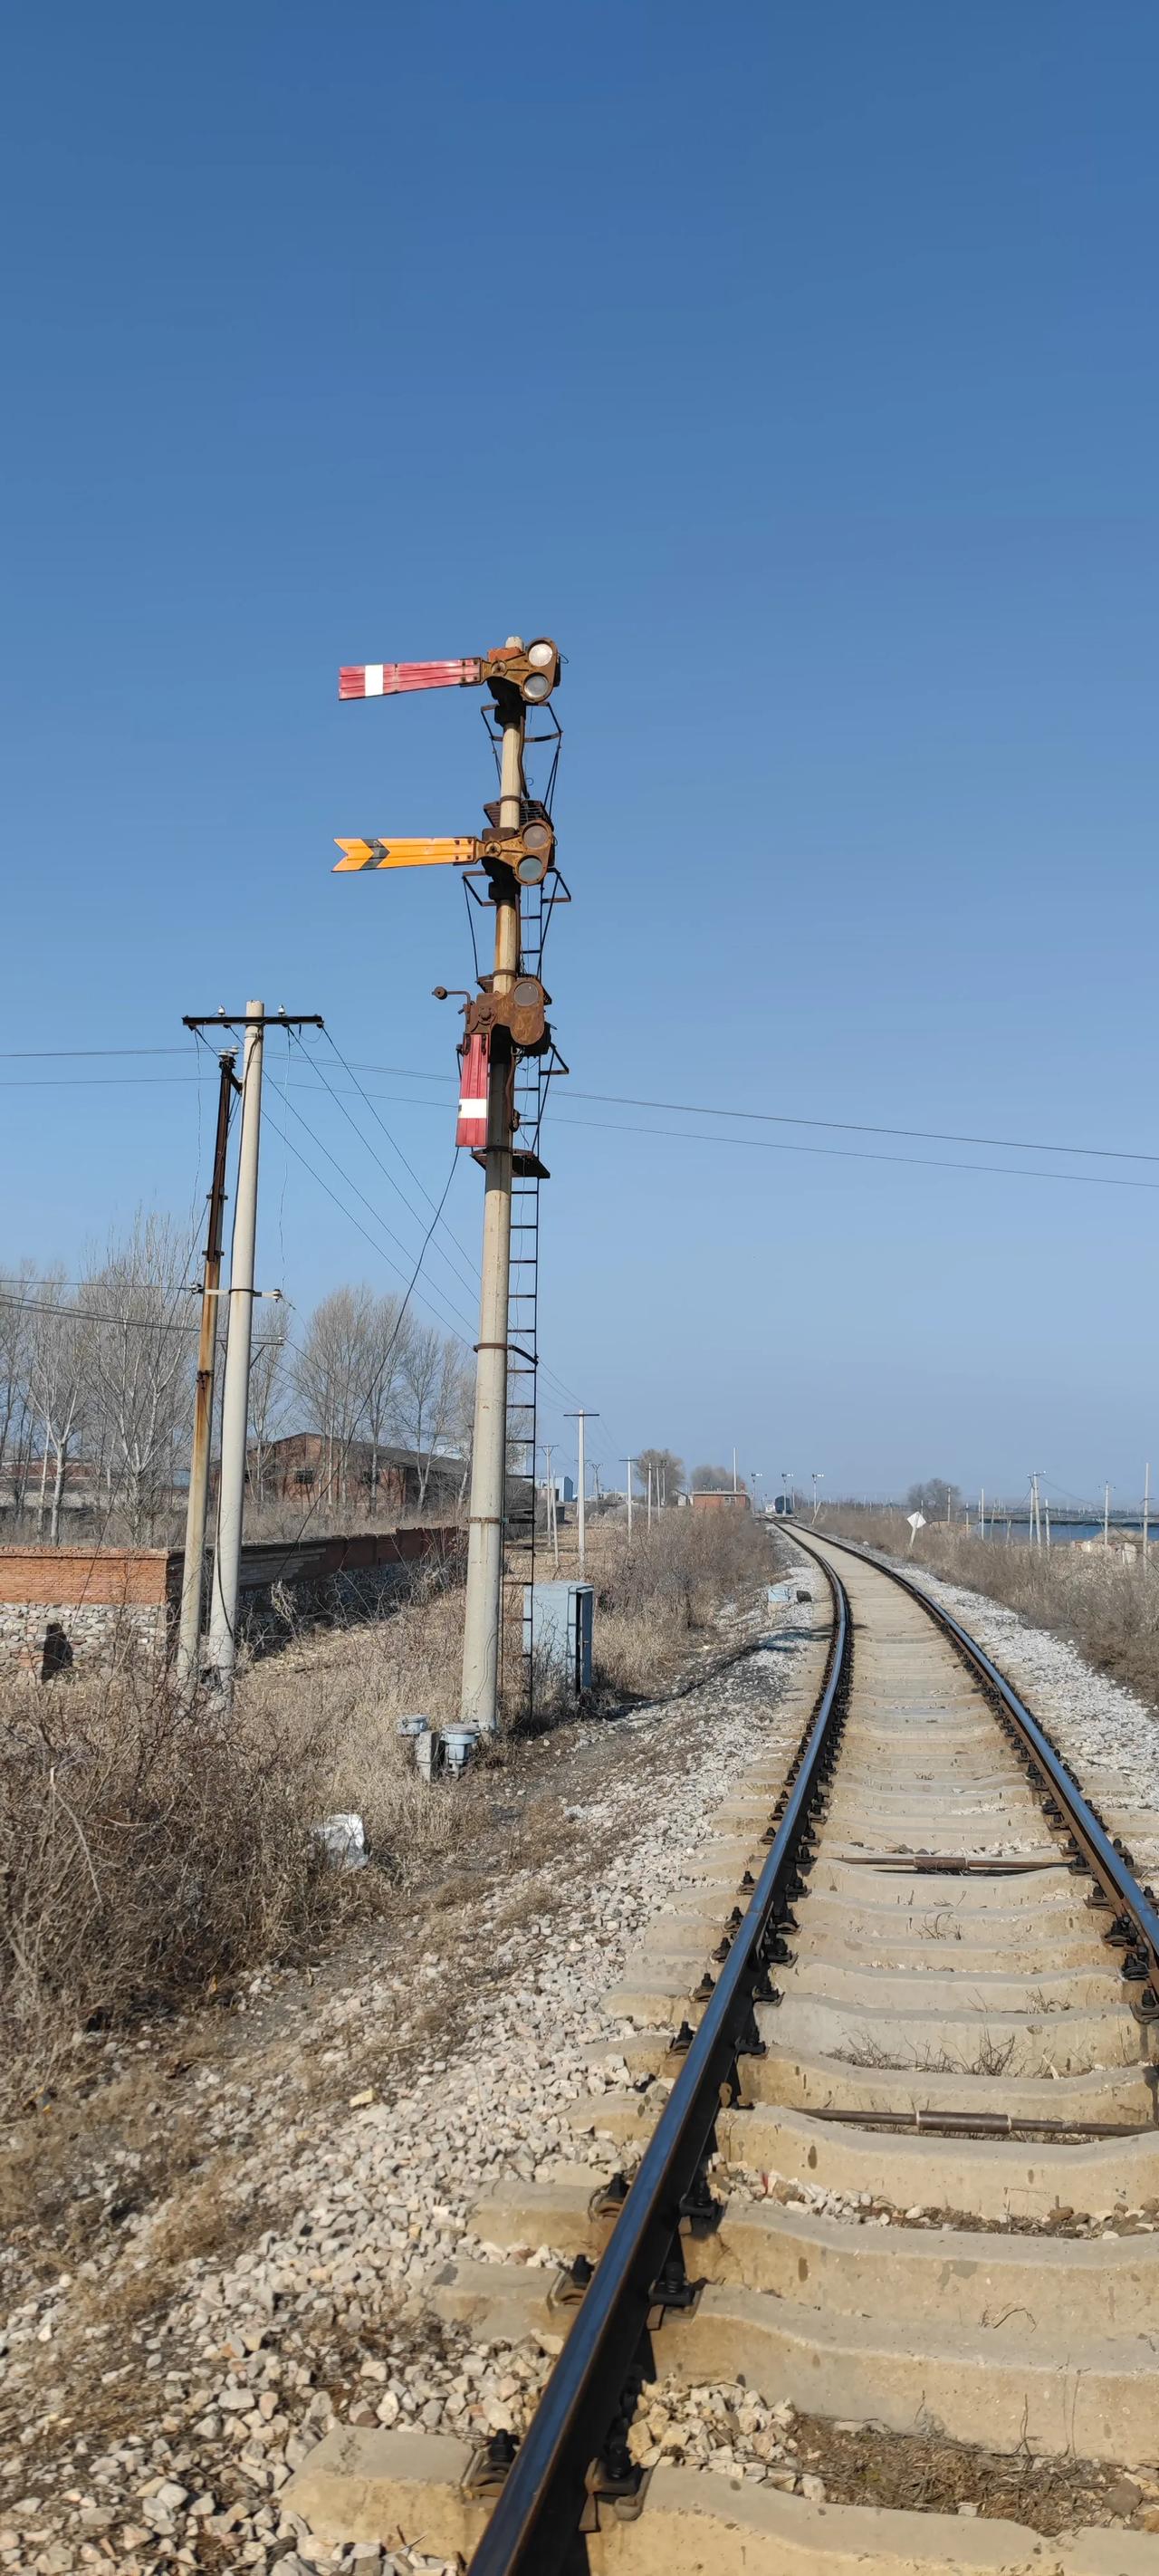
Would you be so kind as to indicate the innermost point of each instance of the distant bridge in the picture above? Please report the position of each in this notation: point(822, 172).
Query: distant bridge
point(1068, 1515)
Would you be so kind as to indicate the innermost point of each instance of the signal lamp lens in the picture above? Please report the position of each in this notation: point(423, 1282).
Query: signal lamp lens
point(526, 993)
point(531, 870)
point(538, 838)
point(537, 687)
point(541, 654)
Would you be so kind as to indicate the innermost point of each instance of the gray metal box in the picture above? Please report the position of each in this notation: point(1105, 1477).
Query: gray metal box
point(557, 1621)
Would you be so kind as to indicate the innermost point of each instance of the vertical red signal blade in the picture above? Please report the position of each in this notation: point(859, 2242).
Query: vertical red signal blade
point(392, 679)
point(474, 1068)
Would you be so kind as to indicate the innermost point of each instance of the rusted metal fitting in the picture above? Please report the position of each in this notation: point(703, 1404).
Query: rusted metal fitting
point(522, 1012)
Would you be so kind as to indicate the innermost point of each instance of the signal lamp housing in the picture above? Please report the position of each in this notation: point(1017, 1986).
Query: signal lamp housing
point(522, 1011)
point(529, 852)
point(533, 669)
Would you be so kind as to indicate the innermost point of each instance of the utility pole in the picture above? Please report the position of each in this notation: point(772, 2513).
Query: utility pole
point(982, 1513)
point(629, 1463)
point(193, 1566)
point(1048, 1520)
point(818, 1479)
point(235, 1391)
point(1146, 1505)
point(549, 1497)
point(649, 1498)
point(734, 1471)
point(222, 1653)
point(582, 1417)
point(1106, 1516)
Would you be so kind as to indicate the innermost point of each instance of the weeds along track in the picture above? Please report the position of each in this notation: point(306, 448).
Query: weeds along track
point(873, 2281)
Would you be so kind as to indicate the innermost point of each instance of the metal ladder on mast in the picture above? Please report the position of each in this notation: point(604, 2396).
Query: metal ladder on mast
point(531, 1076)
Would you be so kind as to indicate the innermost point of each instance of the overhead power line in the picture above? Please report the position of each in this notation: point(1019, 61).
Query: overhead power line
point(836, 1126)
point(856, 1154)
point(860, 1127)
point(612, 1099)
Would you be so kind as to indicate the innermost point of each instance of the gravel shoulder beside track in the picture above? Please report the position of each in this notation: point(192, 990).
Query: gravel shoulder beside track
point(1096, 1722)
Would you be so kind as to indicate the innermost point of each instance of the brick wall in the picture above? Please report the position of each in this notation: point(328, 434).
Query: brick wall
point(92, 1608)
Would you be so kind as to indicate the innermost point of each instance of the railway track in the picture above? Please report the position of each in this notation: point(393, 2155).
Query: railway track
point(887, 2100)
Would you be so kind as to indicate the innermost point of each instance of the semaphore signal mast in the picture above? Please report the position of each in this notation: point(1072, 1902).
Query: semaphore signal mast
point(504, 1025)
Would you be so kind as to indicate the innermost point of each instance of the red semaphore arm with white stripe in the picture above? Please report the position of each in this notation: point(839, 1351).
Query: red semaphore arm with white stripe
point(393, 679)
point(474, 1071)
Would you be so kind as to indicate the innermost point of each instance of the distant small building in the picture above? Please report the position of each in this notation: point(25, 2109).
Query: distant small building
point(306, 1467)
point(722, 1499)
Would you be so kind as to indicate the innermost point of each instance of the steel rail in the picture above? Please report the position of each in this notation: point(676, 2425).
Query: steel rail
point(560, 2468)
point(1094, 1849)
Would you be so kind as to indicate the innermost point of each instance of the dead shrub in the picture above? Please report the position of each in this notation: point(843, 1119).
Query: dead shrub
point(148, 1856)
point(670, 1587)
point(142, 1853)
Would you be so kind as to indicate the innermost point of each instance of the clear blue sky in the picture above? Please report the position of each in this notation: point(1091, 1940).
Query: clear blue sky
point(796, 366)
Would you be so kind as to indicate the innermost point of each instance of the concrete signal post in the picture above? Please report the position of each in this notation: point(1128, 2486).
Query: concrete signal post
point(507, 1019)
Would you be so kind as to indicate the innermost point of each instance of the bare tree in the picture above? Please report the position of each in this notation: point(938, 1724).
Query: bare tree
point(386, 1336)
point(16, 1413)
point(143, 1353)
point(60, 1377)
point(711, 1480)
point(934, 1496)
point(667, 1472)
point(331, 1374)
point(268, 1389)
point(430, 1399)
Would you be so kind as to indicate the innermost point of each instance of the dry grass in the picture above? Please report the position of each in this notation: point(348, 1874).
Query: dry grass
point(142, 1854)
point(1106, 1606)
point(150, 1858)
point(653, 1604)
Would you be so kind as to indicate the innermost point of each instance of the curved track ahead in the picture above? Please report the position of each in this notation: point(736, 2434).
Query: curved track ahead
point(911, 2188)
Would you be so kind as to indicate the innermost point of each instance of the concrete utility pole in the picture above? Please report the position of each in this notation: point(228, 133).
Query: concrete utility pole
point(582, 1477)
point(479, 1705)
point(649, 1498)
point(552, 1529)
point(193, 1567)
point(1146, 1505)
point(818, 1479)
point(1106, 1516)
point(734, 1471)
point(629, 1463)
point(235, 1392)
point(1048, 1520)
point(982, 1513)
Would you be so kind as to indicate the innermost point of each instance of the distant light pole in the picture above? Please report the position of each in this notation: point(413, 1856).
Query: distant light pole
point(629, 1463)
point(787, 1482)
point(818, 1478)
point(1106, 1516)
